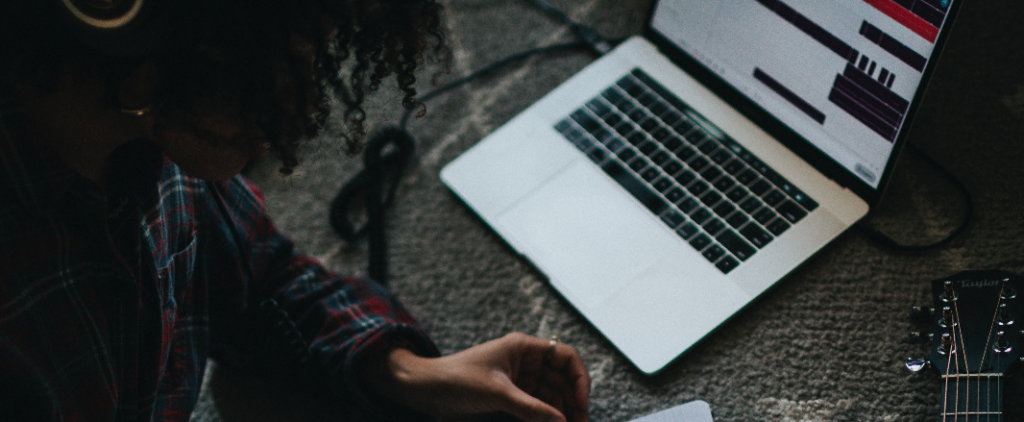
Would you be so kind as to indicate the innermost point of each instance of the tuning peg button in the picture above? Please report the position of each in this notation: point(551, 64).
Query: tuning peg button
point(916, 337)
point(921, 314)
point(916, 365)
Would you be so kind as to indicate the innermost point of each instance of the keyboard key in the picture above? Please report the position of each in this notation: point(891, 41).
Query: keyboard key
point(658, 107)
point(804, 201)
point(724, 209)
point(672, 167)
point(650, 174)
point(672, 144)
point(647, 99)
point(635, 187)
point(698, 163)
point(700, 242)
point(764, 216)
point(603, 136)
point(670, 117)
point(727, 264)
point(721, 156)
point(697, 188)
point(792, 212)
point(736, 245)
point(723, 184)
point(734, 166)
point(750, 205)
point(686, 153)
point(563, 126)
point(713, 226)
point(637, 115)
point(625, 129)
point(663, 184)
point(682, 127)
point(700, 215)
point(649, 124)
point(695, 137)
point(612, 95)
point(774, 198)
point(673, 218)
point(686, 177)
point(747, 177)
point(737, 194)
point(737, 220)
point(648, 148)
point(661, 133)
point(626, 154)
point(638, 165)
point(711, 198)
point(626, 106)
point(756, 236)
point(687, 231)
point(688, 205)
point(636, 138)
point(613, 119)
point(631, 87)
point(713, 253)
point(778, 226)
point(584, 143)
point(598, 107)
point(585, 121)
point(597, 155)
point(615, 145)
point(708, 147)
point(711, 173)
point(760, 187)
point(675, 195)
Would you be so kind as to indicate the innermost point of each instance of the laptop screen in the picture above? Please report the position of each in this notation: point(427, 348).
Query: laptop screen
point(839, 73)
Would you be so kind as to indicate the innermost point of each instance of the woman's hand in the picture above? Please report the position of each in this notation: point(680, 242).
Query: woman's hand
point(517, 374)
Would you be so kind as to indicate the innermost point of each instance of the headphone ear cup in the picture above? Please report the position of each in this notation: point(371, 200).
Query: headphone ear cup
point(121, 28)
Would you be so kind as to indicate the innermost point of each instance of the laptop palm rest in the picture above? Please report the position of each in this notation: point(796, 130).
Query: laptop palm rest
point(587, 236)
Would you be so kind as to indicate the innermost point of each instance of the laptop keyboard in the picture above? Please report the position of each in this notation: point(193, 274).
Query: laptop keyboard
point(716, 195)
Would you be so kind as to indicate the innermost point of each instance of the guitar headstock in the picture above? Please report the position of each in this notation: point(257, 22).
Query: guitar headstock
point(976, 340)
point(976, 325)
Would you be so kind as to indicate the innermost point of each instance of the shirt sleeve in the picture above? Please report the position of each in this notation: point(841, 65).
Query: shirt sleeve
point(344, 322)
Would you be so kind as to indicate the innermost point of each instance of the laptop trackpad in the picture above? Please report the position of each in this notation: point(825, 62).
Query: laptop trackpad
point(586, 234)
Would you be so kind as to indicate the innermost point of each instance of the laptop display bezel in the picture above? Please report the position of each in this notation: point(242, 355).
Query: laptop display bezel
point(788, 137)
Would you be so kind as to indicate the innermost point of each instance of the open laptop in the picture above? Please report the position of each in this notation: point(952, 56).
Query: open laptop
point(674, 180)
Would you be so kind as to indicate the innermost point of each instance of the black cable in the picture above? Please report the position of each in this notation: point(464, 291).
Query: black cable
point(489, 69)
point(389, 151)
point(594, 40)
point(887, 241)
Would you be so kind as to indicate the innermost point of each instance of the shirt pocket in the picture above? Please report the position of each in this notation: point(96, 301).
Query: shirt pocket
point(175, 277)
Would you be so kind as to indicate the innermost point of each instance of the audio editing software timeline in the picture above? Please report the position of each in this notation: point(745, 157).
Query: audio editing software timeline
point(842, 80)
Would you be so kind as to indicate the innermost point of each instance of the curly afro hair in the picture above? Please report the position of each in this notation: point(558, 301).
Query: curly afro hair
point(275, 63)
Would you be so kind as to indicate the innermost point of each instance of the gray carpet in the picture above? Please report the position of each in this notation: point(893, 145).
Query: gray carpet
point(827, 343)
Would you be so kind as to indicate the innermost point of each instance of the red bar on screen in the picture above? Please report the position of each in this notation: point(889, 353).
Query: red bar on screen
point(906, 18)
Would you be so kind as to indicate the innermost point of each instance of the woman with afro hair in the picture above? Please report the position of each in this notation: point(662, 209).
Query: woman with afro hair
point(131, 251)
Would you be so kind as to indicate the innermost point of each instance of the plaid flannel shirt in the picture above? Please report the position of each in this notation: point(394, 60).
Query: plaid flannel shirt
point(111, 301)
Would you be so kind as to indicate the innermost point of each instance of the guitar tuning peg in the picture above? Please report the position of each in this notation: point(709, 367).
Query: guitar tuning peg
point(921, 314)
point(916, 365)
point(916, 337)
point(1007, 292)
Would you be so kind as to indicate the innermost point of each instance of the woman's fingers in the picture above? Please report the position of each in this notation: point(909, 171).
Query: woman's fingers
point(529, 408)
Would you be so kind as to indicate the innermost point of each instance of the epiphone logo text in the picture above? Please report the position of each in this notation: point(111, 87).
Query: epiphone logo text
point(977, 283)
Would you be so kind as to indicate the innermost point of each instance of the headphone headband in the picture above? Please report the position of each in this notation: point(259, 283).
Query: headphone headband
point(122, 28)
point(104, 16)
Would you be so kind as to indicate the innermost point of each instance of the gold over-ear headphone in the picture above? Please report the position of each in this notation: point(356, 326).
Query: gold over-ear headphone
point(123, 28)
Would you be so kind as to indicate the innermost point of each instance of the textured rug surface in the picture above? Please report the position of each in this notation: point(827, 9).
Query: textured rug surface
point(827, 343)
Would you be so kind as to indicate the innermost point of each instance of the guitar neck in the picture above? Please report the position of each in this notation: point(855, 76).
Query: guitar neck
point(972, 398)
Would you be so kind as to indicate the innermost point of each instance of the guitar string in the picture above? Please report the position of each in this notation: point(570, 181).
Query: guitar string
point(962, 347)
point(988, 339)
